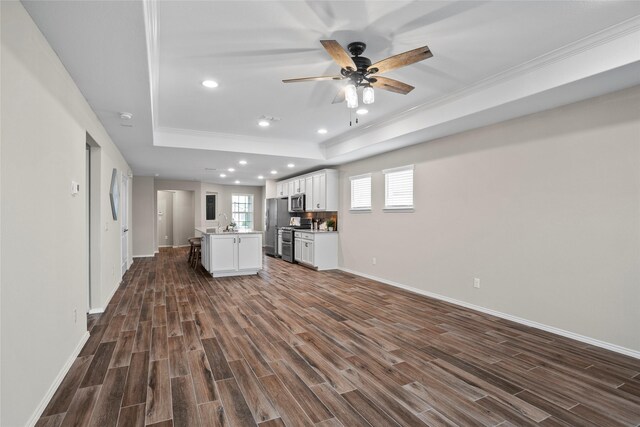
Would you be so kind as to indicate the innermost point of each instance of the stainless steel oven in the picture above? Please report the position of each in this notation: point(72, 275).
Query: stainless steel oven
point(287, 244)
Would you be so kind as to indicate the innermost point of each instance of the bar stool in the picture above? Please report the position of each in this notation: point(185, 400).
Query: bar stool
point(195, 259)
point(192, 241)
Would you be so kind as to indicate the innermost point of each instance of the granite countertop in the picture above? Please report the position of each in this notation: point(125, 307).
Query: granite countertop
point(212, 230)
point(318, 231)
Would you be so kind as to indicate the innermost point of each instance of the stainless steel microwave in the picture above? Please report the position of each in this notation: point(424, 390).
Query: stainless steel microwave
point(297, 203)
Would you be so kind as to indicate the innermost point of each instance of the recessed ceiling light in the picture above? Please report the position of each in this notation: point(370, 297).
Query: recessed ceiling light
point(222, 175)
point(237, 182)
point(231, 170)
point(273, 172)
point(260, 177)
point(291, 165)
point(157, 174)
point(322, 131)
point(210, 84)
point(264, 123)
point(243, 162)
point(362, 111)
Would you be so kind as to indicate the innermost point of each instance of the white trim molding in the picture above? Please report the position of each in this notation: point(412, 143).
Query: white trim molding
point(568, 334)
point(145, 256)
point(57, 381)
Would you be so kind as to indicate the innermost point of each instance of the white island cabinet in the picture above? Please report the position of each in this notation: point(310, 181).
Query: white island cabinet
point(231, 254)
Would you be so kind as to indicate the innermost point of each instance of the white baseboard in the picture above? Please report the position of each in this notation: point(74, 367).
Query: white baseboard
point(56, 382)
point(145, 256)
point(552, 329)
point(96, 310)
point(181, 246)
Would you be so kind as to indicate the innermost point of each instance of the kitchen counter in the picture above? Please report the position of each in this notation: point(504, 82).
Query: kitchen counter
point(318, 231)
point(213, 230)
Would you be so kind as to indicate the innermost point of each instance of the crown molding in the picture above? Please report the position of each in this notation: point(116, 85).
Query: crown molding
point(608, 35)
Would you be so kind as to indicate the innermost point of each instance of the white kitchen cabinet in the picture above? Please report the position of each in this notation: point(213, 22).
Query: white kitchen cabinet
point(320, 192)
point(282, 189)
point(320, 189)
point(249, 252)
point(308, 194)
point(299, 186)
point(318, 250)
point(297, 252)
point(223, 253)
point(232, 254)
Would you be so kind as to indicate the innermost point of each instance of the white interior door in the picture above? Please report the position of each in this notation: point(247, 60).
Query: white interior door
point(124, 223)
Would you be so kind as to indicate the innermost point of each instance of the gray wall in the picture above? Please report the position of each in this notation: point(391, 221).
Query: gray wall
point(183, 214)
point(544, 209)
point(143, 229)
point(45, 120)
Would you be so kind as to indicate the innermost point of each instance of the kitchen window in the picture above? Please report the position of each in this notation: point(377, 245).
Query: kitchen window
point(398, 188)
point(242, 211)
point(361, 192)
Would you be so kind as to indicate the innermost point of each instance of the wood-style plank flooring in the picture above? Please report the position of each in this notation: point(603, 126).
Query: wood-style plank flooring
point(296, 347)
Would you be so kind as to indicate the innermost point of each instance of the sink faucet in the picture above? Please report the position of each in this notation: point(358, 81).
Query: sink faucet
point(225, 217)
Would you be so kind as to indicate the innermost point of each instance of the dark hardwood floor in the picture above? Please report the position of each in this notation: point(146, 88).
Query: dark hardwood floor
point(296, 347)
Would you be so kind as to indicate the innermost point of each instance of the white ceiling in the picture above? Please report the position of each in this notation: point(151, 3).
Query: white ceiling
point(492, 61)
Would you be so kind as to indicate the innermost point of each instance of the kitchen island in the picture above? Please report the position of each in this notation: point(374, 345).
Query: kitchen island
point(231, 253)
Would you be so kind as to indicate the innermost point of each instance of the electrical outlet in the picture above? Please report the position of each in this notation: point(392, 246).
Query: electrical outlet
point(166, 237)
point(476, 283)
point(373, 260)
point(75, 315)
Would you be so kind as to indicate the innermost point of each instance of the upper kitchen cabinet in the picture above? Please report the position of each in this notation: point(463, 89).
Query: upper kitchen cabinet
point(282, 189)
point(320, 189)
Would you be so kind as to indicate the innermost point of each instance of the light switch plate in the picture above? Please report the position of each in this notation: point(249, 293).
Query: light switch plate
point(75, 188)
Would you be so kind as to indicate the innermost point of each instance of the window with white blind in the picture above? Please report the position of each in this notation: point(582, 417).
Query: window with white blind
point(398, 188)
point(361, 192)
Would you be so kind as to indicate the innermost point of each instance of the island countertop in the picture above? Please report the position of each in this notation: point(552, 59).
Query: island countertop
point(213, 230)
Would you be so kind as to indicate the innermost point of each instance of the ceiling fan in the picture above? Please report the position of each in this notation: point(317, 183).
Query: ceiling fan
point(361, 73)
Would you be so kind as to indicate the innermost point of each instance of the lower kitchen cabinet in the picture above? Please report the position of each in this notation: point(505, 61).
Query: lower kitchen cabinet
point(318, 250)
point(233, 254)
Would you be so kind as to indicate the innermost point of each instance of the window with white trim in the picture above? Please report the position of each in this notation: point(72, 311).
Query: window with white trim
point(242, 211)
point(361, 192)
point(398, 188)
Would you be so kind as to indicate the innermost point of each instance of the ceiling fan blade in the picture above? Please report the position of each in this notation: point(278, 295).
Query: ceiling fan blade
point(340, 97)
point(313, 79)
point(392, 85)
point(337, 52)
point(400, 60)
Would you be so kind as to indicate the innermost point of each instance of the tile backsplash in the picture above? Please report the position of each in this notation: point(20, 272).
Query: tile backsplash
point(323, 216)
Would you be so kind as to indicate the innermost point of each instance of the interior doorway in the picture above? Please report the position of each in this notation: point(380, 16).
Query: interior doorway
point(93, 221)
point(124, 223)
point(175, 222)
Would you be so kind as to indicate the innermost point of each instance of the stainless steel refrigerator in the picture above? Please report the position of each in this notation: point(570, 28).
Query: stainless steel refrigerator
point(277, 216)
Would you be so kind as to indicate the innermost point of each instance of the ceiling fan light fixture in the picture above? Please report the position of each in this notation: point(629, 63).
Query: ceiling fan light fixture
point(351, 95)
point(368, 96)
